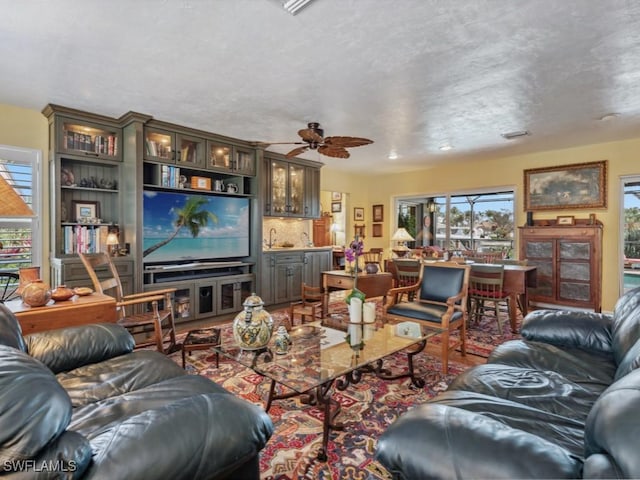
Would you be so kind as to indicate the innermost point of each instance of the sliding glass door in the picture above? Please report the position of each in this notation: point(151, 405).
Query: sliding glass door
point(475, 221)
point(630, 233)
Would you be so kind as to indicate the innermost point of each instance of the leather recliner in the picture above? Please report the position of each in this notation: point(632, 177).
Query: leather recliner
point(562, 402)
point(80, 403)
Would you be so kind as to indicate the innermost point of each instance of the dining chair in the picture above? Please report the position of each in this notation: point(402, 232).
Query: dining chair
point(406, 272)
point(309, 306)
point(372, 257)
point(486, 286)
point(148, 316)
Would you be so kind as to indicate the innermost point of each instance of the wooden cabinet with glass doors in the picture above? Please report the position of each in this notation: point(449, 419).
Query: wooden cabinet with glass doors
point(173, 147)
point(292, 188)
point(568, 261)
point(230, 159)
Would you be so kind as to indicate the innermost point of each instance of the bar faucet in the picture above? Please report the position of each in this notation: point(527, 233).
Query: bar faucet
point(272, 240)
point(305, 239)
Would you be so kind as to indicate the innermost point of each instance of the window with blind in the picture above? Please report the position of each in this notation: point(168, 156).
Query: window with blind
point(19, 208)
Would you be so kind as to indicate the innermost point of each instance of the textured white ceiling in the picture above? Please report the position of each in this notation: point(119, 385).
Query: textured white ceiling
point(411, 75)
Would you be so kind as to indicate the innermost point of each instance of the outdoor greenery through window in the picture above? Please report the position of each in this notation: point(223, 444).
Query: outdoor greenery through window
point(18, 232)
point(478, 222)
point(631, 238)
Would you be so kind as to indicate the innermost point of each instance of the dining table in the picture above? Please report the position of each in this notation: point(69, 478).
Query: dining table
point(517, 279)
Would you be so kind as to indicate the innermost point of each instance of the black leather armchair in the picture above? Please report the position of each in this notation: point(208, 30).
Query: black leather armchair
point(561, 403)
point(81, 400)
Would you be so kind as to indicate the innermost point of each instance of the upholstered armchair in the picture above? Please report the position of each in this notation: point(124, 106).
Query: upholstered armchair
point(438, 301)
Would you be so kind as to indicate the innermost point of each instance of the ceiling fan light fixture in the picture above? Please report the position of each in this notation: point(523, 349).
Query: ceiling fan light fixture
point(516, 134)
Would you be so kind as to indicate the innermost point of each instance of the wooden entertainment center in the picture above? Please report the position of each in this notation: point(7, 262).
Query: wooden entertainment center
point(100, 170)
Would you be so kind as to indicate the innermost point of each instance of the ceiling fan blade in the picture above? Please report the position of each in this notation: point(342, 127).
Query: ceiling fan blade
point(297, 151)
point(331, 151)
point(347, 142)
point(310, 135)
point(281, 143)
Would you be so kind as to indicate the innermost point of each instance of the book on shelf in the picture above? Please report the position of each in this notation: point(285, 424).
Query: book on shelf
point(169, 176)
point(84, 239)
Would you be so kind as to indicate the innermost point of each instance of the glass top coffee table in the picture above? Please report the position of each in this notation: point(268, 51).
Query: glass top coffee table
point(320, 358)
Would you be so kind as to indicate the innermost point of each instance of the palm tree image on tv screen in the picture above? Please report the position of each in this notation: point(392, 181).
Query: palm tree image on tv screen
point(185, 227)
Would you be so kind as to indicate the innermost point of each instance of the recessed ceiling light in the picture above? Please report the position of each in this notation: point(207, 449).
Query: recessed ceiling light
point(445, 147)
point(393, 156)
point(609, 116)
point(516, 134)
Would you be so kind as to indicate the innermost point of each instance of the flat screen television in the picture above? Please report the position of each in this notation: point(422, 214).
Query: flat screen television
point(187, 227)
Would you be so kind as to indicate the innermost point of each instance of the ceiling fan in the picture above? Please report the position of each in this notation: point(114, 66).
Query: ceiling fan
point(313, 139)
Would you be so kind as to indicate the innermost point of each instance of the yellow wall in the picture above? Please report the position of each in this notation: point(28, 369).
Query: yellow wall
point(25, 128)
point(28, 129)
point(368, 190)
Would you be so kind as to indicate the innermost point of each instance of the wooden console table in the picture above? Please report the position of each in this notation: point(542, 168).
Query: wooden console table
point(94, 308)
point(371, 284)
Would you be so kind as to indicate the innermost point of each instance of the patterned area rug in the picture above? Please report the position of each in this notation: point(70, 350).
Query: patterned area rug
point(367, 407)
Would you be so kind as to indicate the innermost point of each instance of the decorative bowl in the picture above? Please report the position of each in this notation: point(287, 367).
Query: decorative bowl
point(82, 291)
point(62, 293)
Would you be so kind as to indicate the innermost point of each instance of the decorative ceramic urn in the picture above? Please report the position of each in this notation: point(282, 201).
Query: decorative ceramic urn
point(282, 340)
point(36, 293)
point(252, 328)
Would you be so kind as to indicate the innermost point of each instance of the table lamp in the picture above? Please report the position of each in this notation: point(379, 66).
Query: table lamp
point(402, 237)
point(113, 243)
point(335, 227)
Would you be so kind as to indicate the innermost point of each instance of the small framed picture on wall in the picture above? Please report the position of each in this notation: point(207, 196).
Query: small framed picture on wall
point(358, 214)
point(377, 230)
point(378, 215)
point(336, 207)
point(336, 196)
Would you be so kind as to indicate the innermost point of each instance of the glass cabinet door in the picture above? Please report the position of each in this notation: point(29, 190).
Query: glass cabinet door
point(244, 161)
point(218, 156)
point(89, 139)
point(190, 151)
point(159, 145)
point(233, 292)
point(296, 190)
point(575, 270)
point(540, 254)
point(279, 175)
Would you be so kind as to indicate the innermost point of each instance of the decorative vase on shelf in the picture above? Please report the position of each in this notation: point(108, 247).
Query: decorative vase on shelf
point(371, 268)
point(36, 294)
point(252, 328)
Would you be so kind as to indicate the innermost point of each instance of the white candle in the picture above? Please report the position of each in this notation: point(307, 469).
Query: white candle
point(355, 310)
point(369, 312)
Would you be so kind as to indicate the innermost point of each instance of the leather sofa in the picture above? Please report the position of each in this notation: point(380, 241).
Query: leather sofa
point(80, 403)
point(563, 402)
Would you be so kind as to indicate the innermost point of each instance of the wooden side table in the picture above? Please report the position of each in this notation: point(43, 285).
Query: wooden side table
point(201, 339)
point(94, 308)
point(371, 284)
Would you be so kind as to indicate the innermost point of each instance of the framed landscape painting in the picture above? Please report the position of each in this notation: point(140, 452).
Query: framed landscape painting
point(582, 185)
